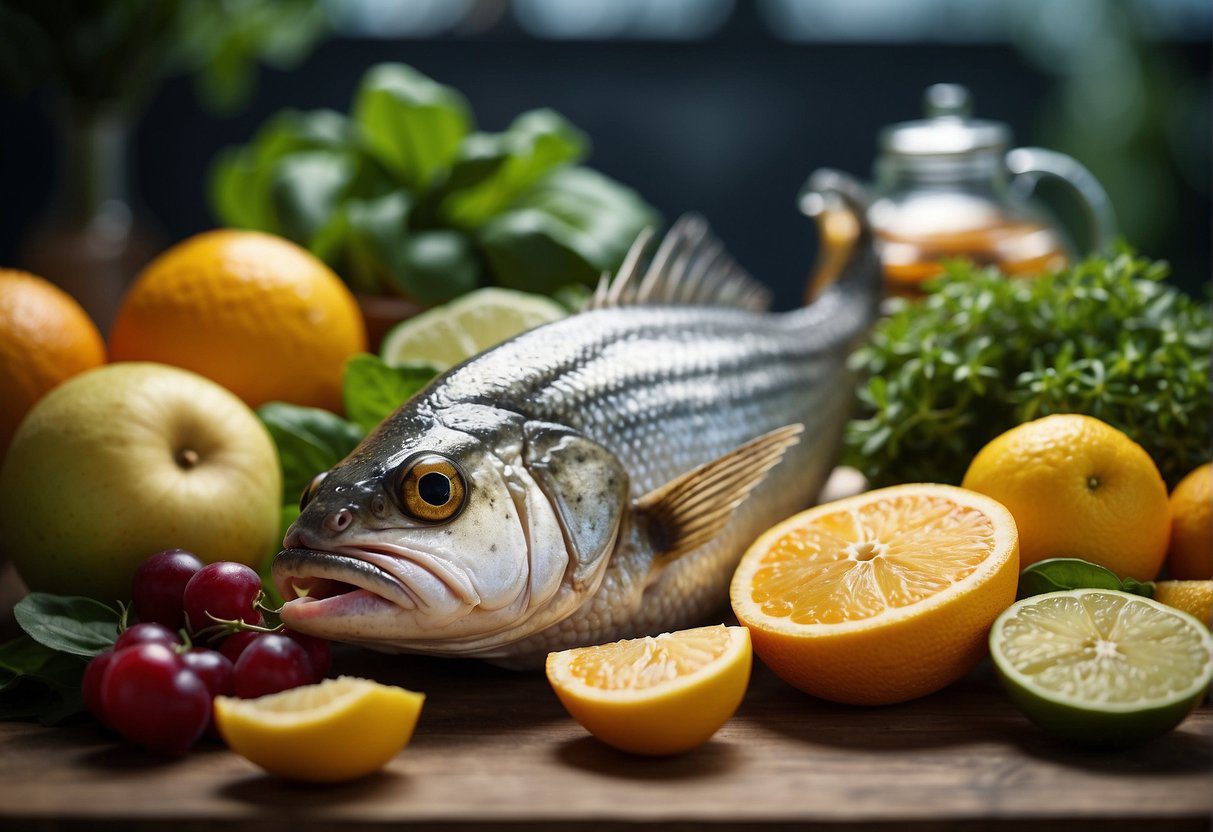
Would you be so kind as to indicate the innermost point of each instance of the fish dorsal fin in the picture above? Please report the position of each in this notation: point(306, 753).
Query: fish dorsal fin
point(689, 268)
point(687, 512)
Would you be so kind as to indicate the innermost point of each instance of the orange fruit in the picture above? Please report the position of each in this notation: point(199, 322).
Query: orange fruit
point(655, 695)
point(1190, 554)
point(45, 338)
point(254, 312)
point(1078, 488)
point(882, 597)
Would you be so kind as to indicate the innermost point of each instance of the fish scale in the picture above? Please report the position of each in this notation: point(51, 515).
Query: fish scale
point(657, 390)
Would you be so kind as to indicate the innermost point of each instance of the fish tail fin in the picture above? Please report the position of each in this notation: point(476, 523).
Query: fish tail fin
point(690, 267)
point(687, 512)
point(847, 260)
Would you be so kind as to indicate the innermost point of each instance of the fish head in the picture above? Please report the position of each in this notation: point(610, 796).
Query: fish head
point(455, 532)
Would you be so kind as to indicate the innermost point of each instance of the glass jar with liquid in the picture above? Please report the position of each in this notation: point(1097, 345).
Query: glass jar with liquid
point(948, 188)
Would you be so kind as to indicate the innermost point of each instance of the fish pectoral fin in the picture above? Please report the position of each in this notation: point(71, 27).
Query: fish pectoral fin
point(687, 512)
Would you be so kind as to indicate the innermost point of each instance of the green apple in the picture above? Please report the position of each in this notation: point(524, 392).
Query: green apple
point(122, 461)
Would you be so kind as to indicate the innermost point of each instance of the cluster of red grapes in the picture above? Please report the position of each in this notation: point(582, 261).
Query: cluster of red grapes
point(155, 687)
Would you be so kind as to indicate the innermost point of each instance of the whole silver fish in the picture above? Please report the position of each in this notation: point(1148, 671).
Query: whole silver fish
point(588, 480)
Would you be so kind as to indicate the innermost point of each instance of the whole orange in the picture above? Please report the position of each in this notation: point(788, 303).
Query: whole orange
point(1078, 488)
point(1190, 555)
point(254, 312)
point(45, 338)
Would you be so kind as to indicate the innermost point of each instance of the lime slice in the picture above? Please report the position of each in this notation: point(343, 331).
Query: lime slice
point(1102, 667)
point(454, 332)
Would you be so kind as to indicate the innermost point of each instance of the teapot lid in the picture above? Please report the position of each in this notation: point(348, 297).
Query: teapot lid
point(947, 129)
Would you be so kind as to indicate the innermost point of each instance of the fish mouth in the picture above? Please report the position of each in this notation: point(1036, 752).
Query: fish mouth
point(358, 580)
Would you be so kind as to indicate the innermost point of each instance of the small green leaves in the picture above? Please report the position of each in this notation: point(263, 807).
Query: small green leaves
point(982, 353)
point(309, 440)
point(79, 626)
point(373, 390)
point(39, 683)
point(1060, 574)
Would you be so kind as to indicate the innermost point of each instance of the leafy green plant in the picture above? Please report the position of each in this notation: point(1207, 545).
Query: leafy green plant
point(981, 354)
point(101, 51)
point(1061, 574)
point(404, 195)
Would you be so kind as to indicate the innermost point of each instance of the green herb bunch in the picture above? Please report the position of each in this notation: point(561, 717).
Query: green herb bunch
point(982, 353)
point(404, 195)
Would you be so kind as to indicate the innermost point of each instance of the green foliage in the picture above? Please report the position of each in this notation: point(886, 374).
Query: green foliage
point(103, 51)
point(79, 626)
point(1060, 574)
point(981, 354)
point(310, 440)
point(405, 196)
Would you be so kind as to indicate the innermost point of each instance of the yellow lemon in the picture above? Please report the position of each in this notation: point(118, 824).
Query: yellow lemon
point(1078, 488)
point(1190, 554)
point(656, 695)
point(882, 597)
point(340, 729)
point(1193, 597)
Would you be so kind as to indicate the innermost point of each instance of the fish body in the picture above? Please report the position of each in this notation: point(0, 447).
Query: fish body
point(562, 444)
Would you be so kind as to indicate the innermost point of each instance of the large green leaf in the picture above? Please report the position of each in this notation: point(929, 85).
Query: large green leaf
point(493, 169)
point(242, 179)
point(435, 266)
point(80, 626)
point(570, 227)
point(373, 390)
point(373, 229)
point(306, 190)
point(309, 440)
point(411, 123)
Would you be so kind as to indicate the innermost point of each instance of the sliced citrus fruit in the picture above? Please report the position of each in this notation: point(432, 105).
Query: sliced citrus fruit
point(340, 729)
point(1102, 667)
point(882, 597)
point(656, 695)
point(449, 334)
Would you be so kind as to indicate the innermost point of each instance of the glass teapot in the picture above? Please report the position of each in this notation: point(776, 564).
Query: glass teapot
point(947, 187)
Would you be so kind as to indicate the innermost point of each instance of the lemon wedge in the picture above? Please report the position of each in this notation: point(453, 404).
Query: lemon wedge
point(340, 729)
point(656, 695)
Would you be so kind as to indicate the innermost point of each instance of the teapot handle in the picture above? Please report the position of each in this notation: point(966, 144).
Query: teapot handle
point(1029, 164)
point(838, 203)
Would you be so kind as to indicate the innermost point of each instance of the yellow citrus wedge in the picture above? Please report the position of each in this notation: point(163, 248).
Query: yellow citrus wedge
point(656, 695)
point(340, 729)
point(882, 597)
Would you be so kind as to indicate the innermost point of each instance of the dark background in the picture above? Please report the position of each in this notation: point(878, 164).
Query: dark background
point(729, 126)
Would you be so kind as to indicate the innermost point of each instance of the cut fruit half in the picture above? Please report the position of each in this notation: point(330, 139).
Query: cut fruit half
point(449, 334)
point(340, 729)
point(1101, 667)
point(656, 695)
point(882, 597)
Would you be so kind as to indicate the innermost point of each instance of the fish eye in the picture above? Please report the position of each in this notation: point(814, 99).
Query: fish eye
point(310, 491)
point(432, 489)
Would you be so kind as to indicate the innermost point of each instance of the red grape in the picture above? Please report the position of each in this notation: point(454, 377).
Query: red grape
point(158, 590)
point(271, 664)
point(146, 634)
point(318, 652)
point(225, 590)
point(152, 699)
point(215, 671)
point(90, 688)
point(236, 643)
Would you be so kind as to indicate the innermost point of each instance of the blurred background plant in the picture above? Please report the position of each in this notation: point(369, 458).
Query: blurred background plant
point(405, 196)
point(103, 60)
point(711, 105)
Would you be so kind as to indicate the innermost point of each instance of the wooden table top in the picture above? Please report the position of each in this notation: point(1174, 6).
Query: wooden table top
point(495, 749)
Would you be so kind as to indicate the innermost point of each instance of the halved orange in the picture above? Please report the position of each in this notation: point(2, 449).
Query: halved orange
point(882, 597)
point(655, 695)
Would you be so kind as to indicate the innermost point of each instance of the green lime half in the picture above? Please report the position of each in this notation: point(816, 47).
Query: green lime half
point(466, 326)
point(1102, 667)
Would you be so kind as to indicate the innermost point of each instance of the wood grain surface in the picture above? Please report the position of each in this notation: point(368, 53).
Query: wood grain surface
point(494, 749)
